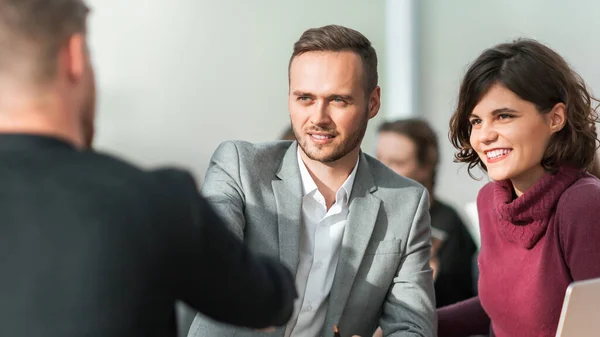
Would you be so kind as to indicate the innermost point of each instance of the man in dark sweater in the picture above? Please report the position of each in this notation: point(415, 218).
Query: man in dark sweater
point(90, 245)
point(410, 148)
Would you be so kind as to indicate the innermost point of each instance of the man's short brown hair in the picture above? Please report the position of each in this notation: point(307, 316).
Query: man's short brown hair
point(336, 38)
point(539, 75)
point(33, 31)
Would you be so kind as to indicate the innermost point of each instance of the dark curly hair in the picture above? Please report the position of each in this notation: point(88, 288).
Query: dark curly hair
point(536, 74)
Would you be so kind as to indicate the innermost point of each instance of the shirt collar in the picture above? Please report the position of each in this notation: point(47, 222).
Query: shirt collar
point(309, 186)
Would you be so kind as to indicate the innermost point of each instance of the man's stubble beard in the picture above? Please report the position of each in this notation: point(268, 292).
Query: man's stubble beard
point(346, 147)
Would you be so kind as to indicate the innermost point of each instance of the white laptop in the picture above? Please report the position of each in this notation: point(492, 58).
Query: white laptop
point(580, 316)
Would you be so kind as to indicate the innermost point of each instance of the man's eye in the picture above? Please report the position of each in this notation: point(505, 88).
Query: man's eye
point(340, 101)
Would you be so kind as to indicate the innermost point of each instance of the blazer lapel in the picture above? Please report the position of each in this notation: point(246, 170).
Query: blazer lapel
point(362, 216)
point(287, 188)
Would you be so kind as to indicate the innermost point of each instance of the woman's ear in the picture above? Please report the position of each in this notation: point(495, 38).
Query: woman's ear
point(557, 117)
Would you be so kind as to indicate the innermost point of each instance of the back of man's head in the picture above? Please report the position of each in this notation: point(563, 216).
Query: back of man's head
point(47, 82)
point(31, 34)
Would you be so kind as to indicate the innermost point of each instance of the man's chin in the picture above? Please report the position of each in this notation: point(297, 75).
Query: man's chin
point(323, 156)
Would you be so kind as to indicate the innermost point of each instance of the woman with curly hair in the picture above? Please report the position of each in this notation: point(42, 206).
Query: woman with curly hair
point(526, 118)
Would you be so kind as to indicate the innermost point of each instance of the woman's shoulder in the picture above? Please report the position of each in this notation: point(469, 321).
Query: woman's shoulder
point(581, 199)
point(486, 194)
point(583, 190)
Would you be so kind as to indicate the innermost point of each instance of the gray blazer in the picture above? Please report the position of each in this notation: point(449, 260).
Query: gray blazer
point(383, 276)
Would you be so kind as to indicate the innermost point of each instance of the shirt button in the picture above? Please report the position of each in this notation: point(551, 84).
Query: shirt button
point(318, 265)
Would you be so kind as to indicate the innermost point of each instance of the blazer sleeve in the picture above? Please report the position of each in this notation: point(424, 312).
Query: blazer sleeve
point(215, 273)
point(409, 309)
point(222, 187)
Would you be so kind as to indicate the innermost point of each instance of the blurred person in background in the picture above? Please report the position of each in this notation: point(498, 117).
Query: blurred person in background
point(528, 120)
point(89, 244)
point(410, 148)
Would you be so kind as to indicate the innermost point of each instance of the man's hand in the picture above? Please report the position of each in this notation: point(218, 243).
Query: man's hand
point(434, 262)
point(378, 333)
point(267, 330)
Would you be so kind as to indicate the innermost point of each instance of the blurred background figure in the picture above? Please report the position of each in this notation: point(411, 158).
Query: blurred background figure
point(410, 148)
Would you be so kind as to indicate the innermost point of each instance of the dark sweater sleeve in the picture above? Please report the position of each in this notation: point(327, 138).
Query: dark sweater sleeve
point(463, 319)
point(217, 275)
point(580, 229)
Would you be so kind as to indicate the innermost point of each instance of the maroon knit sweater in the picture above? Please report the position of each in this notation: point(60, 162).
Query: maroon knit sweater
point(532, 248)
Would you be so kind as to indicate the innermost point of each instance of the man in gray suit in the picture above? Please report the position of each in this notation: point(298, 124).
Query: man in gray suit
point(355, 234)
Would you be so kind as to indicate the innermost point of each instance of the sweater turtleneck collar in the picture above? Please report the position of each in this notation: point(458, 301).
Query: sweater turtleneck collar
point(524, 220)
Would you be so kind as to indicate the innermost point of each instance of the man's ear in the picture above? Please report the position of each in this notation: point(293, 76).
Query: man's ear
point(72, 58)
point(374, 102)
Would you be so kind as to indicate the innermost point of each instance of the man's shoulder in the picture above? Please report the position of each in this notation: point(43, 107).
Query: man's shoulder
point(247, 149)
point(111, 164)
point(265, 155)
point(111, 168)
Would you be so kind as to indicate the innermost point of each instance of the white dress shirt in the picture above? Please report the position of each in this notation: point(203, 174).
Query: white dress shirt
point(321, 236)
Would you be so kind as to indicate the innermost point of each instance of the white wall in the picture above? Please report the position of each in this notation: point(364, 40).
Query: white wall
point(454, 33)
point(176, 78)
point(402, 36)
